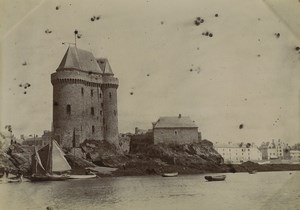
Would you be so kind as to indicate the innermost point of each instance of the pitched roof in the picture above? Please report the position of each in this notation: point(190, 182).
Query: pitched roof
point(79, 59)
point(175, 122)
point(104, 66)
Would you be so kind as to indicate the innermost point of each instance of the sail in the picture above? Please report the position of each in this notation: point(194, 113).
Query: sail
point(59, 162)
point(44, 154)
point(37, 166)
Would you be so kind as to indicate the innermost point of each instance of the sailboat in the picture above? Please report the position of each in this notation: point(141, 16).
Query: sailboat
point(49, 164)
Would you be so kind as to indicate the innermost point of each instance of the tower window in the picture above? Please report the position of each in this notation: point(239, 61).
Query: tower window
point(82, 91)
point(102, 105)
point(100, 95)
point(92, 93)
point(109, 94)
point(92, 111)
point(55, 103)
point(101, 112)
point(93, 129)
point(175, 132)
point(68, 109)
point(115, 112)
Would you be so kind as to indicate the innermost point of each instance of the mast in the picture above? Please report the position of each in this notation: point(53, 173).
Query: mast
point(50, 156)
point(36, 162)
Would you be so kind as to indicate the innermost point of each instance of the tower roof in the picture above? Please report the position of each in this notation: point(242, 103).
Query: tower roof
point(175, 122)
point(79, 59)
point(104, 65)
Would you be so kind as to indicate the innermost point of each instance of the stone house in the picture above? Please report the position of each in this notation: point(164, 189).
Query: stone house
point(295, 155)
point(175, 130)
point(275, 150)
point(237, 153)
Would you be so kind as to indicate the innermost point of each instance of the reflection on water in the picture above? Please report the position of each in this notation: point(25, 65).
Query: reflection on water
point(269, 190)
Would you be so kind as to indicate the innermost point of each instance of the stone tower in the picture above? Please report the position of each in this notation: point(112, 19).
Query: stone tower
point(84, 99)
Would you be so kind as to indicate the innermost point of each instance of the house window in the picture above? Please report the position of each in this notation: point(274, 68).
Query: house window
point(82, 91)
point(109, 94)
point(93, 129)
point(92, 93)
point(68, 109)
point(92, 111)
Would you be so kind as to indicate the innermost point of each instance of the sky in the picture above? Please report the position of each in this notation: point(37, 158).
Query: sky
point(243, 74)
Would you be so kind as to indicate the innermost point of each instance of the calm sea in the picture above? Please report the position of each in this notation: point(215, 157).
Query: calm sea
point(267, 190)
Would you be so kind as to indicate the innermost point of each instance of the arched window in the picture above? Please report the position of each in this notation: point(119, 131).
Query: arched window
point(69, 109)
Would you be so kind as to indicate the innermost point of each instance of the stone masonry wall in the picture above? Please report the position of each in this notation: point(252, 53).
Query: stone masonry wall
point(177, 136)
point(81, 96)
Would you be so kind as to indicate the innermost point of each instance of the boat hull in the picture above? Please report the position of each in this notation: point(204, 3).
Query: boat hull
point(170, 174)
point(82, 176)
point(215, 178)
point(41, 178)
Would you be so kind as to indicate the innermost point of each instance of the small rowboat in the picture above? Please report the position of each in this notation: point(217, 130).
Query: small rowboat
point(170, 174)
point(82, 176)
point(215, 178)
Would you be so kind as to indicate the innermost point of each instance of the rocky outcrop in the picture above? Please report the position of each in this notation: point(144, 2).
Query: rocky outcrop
point(103, 153)
point(148, 160)
point(20, 156)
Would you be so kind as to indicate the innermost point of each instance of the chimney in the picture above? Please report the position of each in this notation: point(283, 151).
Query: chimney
point(179, 116)
point(153, 125)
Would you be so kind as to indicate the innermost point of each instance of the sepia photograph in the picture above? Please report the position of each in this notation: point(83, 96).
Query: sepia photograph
point(149, 104)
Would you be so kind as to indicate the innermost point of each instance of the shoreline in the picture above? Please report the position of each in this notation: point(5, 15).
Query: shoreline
point(224, 168)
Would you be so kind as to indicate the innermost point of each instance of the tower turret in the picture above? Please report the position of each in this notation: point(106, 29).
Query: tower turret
point(109, 104)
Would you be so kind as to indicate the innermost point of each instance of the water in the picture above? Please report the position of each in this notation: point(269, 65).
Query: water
point(268, 190)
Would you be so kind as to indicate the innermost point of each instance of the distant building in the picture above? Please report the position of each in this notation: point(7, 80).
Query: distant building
point(138, 131)
point(295, 155)
point(176, 130)
point(275, 150)
point(36, 140)
point(84, 99)
point(236, 153)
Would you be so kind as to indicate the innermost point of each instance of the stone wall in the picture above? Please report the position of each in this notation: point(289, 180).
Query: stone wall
point(175, 135)
point(110, 110)
point(82, 121)
point(140, 141)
